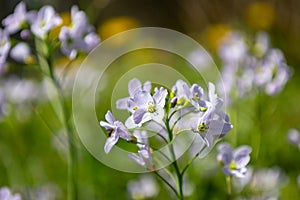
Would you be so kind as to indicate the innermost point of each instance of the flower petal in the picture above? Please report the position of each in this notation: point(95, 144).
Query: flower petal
point(110, 142)
point(134, 86)
point(137, 159)
point(138, 115)
point(122, 104)
point(109, 117)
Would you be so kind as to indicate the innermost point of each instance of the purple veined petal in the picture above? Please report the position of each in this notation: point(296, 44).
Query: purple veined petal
point(158, 115)
point(138, 115)
point(225, 154)
point(106, 125)
point(227, 171)
point(145, 154)
point(109, 117)
point(129, 123)
point(182, 89)
point(122, 104)
point(159, 96)
point(123, 131)
point(137, 159)
point(134, 86)
point(224, 147)
point(147, 86)
point(241, 156)
point(110, 142)
point(142, 98)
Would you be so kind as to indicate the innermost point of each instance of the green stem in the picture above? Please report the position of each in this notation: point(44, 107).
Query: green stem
point(72, 167)
point(191, 161)
point(45, 58)
point(228, 183)
point(167, 183)
point(175, 164)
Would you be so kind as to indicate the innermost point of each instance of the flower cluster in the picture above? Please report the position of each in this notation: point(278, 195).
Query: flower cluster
point(79, 36)
point(252, 64)
point(167, 113)
point(234, 162)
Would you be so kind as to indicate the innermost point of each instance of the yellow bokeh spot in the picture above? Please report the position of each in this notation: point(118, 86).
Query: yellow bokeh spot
point(66, 20)
point(30, 60)
point(116, 25)
point(214, 34)
point(260, 15)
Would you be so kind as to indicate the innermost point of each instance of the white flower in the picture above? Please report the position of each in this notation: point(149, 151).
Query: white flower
point(45, 21)
point(21, 52)
point(79, 36)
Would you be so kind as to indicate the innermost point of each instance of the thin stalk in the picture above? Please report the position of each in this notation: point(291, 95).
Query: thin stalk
point(72, 161)
point(175, 165)
point(228, 183)
point(167, 183)
point(191, 161)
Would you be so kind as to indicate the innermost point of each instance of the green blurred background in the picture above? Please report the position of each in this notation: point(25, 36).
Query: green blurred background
point(33, 153)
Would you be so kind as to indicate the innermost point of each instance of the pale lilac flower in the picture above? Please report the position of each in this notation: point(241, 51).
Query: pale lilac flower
point(17, 20)
point(261, 45)
point(134, 86)
point(143, 158)
point(268, 182)
point(233, 49)
point(280, 72)
point(252, 65)
point(214, 122)
point(4, 48)
point(186, 94)
point(79, 36)
point(144, 188)
point(293, 137)
point(234, 161)
point(145, 107)
point(21, 52)
point(45, 21)
point(5, 194)
point(116, 130)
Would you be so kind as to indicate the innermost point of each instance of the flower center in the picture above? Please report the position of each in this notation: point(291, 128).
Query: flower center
point(151, 107)
point(232, 165)
point(202, 127)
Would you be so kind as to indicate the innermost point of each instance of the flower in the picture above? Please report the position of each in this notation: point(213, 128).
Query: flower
point(4, 48)
point(143, 158)
point(21, 53)
point(185, 94)
point(144, 188)
point(45, 21)
point(18, 20)
point(134, 86)
point(5, 194)
point(293, 137)
point(145, 107)
point(234, 161)
point(214, 122)
point(78, 36)
point(116, 130)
